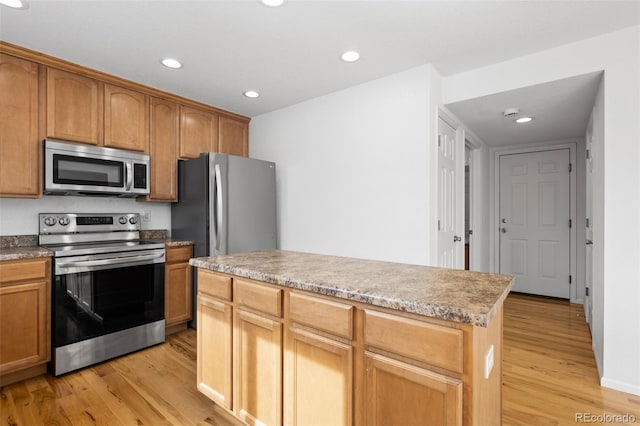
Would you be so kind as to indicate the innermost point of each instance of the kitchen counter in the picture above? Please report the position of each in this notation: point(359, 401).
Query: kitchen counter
point(15, 253)
point(452, 295)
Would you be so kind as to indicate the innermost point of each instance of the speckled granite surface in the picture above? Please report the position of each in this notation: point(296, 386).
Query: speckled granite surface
point(153, 234)
point(15, 253)
point(161, 235)
point(10, 241)
point(453, 295)
point(177, 243)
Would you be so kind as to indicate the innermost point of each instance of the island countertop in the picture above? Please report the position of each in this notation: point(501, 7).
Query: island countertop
point(448, 294)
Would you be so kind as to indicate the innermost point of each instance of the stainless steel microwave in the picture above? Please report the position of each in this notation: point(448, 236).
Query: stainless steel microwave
point(77, 169)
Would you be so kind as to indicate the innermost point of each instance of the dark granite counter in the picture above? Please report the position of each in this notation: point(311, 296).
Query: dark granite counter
point(449, 294)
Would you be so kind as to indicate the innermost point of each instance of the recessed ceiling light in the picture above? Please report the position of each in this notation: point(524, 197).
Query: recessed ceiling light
point(350, 56)
point(251, 94)
point(171, 63)
point(523, 120)
point(272, 3)
point(15, 4)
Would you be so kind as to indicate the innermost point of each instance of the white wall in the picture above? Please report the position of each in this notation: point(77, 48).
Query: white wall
point(597, 191)
point(353, 168)
point(19, 216)
point(618, 54)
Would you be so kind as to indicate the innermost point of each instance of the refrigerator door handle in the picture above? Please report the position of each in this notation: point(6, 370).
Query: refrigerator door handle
point(219, 221)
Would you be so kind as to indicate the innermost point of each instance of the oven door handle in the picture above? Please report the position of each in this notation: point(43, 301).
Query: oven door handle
point(112, 261)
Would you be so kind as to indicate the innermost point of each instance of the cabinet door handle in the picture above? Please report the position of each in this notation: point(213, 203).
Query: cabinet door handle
point(456, 238)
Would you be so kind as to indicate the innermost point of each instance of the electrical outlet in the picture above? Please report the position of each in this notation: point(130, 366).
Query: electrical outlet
point(146, 216)
point(488, 362)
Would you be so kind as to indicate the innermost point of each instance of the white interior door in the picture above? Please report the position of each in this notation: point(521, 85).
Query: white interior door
point(535, 221)
point(450, 197)
point(588, 261)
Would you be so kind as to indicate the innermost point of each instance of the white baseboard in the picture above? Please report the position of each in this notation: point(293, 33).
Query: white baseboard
point(577, 301)
point(620, 386)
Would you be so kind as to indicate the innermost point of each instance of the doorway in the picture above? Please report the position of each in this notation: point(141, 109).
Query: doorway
point(535, 216)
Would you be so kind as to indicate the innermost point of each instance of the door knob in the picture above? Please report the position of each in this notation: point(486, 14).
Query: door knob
point(505, 220)
point(589, 242)
point(503, 230)
point(456, 239)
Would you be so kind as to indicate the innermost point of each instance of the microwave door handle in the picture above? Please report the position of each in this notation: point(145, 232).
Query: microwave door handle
point(127, 176)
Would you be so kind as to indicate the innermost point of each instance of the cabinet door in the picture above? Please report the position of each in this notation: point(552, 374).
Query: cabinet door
point(397, 393)
point(19, 144)
point(24, 319)
point(258, 380)
point(214, 365)
point(198, 132)
point(177, 293)
point(319, 380)
point(74, 107)
point(163, 150)
point(126, 123)
point(233, 137)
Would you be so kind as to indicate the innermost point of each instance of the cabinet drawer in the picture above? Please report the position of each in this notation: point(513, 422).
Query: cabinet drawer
point(178, 254)
point(324, 315)
point(259, 297)
point(428, 343)
point(213, 284)
point(21, 270)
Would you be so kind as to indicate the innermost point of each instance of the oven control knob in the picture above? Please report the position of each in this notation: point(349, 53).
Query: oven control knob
point(50, 220)
point(122, 220)
point(63, 220)
point(133, 220)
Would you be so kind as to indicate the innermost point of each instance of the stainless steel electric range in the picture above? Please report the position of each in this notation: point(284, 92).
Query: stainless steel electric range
point(108, 287)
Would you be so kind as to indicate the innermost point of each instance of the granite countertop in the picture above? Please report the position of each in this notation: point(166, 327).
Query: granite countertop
point(15, 253)
point(178, 243)
point(449, 294)
point(14, 247)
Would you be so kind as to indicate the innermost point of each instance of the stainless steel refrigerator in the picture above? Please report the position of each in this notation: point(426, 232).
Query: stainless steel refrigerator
point(226, 204)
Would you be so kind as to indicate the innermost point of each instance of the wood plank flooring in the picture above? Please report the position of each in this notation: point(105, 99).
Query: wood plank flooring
point(549, 375)
point(549, 370)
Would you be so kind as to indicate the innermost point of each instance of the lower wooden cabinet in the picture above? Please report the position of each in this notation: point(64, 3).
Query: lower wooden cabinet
point(397, 393)
point(272, 356)
point(319, 380)
point(178, 289)
point(214, 364)
point(25, 324)
point(258, 369)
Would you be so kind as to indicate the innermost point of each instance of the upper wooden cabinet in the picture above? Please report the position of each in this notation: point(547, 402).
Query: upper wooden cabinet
point(198, 132)
point(19, 143)
point(74, 107)
point(126, 119)
point(233, 137)
point(163, 150)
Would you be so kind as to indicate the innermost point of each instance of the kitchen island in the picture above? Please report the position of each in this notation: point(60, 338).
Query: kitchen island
point(298, 338)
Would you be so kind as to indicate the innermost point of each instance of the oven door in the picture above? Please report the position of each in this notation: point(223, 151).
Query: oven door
point(99, 299)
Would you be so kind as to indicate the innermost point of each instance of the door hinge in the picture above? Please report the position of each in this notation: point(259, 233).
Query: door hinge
point(569, 279)
point(588, 223)
point(439, 141)
point(570, 167)
point(438, 224)
point(586, 290)
point(570, 223)
point(588, 154)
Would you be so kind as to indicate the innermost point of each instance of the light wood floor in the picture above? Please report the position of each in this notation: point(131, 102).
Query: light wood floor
point(549, 375)
point(549, 370)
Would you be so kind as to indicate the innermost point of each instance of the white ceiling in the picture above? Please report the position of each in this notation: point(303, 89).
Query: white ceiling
point(290, 54)
point(561, 110)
